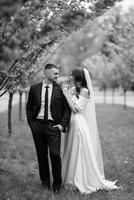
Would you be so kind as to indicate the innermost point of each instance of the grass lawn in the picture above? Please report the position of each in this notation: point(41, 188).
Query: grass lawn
point(19, 178)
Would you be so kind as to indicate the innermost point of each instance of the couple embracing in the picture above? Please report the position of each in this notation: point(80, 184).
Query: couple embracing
point(52, 110)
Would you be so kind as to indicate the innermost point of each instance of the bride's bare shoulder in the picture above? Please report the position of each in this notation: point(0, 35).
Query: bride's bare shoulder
point(84, 92)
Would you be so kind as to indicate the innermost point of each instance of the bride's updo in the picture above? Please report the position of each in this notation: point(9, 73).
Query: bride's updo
point(79, 77)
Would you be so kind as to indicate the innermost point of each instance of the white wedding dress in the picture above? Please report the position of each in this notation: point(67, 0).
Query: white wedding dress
point(82, 165)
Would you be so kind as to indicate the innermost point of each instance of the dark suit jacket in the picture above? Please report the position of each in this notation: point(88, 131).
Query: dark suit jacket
point(59, 107)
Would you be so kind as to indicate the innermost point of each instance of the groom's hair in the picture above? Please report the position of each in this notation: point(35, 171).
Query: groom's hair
point(50, 66)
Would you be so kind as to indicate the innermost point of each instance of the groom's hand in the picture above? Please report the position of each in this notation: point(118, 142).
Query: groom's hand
point(59, 127)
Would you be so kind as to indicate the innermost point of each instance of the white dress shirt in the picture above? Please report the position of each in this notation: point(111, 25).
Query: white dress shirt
point(41, 112)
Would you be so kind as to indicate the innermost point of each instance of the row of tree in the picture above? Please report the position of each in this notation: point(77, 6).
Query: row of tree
point(115, 62)
point(29, 29)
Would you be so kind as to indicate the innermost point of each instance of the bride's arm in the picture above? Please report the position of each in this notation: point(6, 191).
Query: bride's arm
point(72, 104)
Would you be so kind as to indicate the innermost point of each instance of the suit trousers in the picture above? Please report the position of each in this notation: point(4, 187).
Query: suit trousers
point(47, 141)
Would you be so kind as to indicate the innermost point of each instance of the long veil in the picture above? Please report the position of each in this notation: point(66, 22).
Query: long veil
point(90, 116)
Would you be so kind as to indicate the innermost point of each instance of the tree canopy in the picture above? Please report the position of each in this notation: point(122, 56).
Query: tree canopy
point(28, 28)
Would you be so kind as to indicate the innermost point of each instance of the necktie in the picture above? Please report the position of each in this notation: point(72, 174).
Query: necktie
point(46, 104)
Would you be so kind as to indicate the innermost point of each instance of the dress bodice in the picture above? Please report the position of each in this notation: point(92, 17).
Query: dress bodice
point(80, 103)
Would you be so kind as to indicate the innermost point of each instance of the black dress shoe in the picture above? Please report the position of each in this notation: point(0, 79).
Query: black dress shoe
point(57, 190)
point(45, 186)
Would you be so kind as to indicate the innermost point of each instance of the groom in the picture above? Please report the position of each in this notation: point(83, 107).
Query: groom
point(48, 114)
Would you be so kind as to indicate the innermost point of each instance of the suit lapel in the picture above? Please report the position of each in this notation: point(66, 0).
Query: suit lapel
point(52, 96)
point(39, 90)
point(54, 92)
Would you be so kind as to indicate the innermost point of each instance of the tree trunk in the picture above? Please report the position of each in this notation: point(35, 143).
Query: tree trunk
point(113, 95)
point(125, 99)
point(20, 105)
point(10, 113)
point(104, 95)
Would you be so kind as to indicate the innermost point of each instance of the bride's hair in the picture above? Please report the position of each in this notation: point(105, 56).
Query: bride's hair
point(79, 76)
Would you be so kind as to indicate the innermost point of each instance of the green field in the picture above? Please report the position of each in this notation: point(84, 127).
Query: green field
point(19, 178)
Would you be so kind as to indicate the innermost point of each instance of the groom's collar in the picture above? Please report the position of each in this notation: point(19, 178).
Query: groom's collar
point(44, 84)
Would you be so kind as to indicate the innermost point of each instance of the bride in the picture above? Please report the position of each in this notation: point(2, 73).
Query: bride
point(82, 164)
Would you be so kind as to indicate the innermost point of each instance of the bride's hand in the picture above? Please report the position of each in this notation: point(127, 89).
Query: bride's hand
point(66, 90)
point(72, 91)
